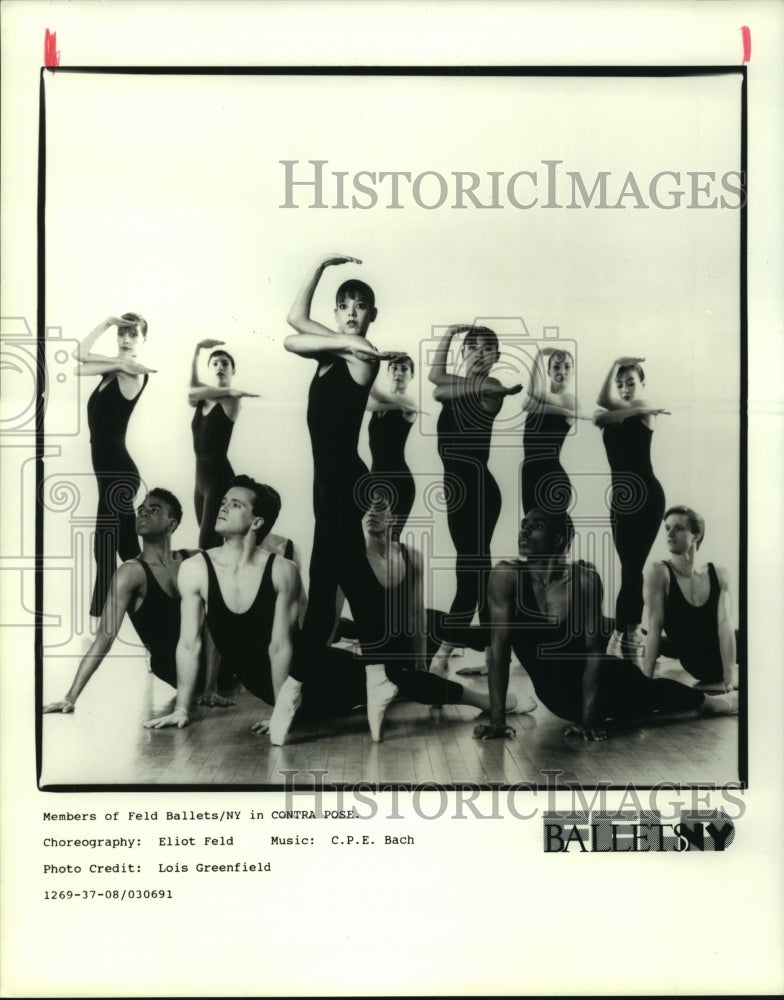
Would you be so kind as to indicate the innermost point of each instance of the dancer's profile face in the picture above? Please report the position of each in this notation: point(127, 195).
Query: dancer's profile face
point(479, 355)
point(680, 537)
point(235, 514)
point(354, 314)
point(629, 385)
point(400, 374)
point(377, 520)
point(130, 340)
point(153, 517)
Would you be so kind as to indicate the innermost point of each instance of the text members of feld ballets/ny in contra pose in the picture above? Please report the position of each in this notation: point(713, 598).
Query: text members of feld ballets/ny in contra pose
point(470, 401)
point(109, 408)
point(347, 364)
point(637, 501)
point(217, 406)
point(690, 602)
point(393, 413)
point(548, 610)
point(146, 589)
point(551, 410)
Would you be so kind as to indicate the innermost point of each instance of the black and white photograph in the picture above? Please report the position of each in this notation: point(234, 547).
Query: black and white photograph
point(391, 424)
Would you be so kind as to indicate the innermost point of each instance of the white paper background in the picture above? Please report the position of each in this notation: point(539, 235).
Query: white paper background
point(227, 262)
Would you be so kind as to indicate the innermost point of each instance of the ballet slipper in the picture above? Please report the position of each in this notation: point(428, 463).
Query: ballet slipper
point(381, 692)
point(286, 706)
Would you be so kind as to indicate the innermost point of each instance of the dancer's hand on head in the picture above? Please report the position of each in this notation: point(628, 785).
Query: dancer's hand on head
point(63, 706)
point(209, 342)
point(629, 361)
point(177, 718)
point(586, 733)
point(261, 728)
point(338, 258)
point(214, 700)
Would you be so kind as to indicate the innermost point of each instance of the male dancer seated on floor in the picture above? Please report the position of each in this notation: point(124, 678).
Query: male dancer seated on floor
point(692, 604)
point(548, 610)
point(400, 647)
point(251, 599)
point(145, 588)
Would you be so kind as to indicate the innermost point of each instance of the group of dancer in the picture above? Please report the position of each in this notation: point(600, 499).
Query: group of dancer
point(545, 608)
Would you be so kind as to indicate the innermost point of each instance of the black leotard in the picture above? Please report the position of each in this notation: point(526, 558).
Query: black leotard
point(636, 510)
point(336, 407)
point(555, 656)
point(544, 483)
point(243, 639)
point(211, 438)
point(694, 631)
point(387, 435)
point(157, 623)
point(108, 413)
point(473, 501)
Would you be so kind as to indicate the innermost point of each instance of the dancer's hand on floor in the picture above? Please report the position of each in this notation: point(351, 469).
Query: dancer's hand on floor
point(260, 728)
point(214, 700)
point(63, 706)
point(177, 718)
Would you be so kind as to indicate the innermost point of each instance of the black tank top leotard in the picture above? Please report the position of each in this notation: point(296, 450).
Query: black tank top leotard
point(211, 437)
point(473, 502)
point(694, 631)
point(157, 623)
point(555, 656)
point(387, 436)
point(545, 484)
point(243, 639)
point(108, 413)
point(336, 407)
point(636, 510)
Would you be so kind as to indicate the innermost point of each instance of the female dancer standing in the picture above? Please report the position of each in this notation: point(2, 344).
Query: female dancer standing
point(217, 408)
point(551, 412)
point(637, 505)
point(470, 402)
point(109, 408)
point(393, 414)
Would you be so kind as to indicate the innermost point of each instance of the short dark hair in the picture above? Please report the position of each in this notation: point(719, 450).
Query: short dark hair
point(266, 503)
point(403, 359)
point(696, 521)
point(136, 319)
point(631, 368)
point(357, 289)
point(168, 498)
point(560, 523)
point(223, 354)
point(475, 333)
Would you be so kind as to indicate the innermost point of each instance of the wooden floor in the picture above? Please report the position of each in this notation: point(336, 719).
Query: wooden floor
point(104, 743)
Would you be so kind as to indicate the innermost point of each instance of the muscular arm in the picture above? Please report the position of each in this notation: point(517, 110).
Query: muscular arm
point(726, 631)
point(122, 594)
point(416, 610)
point(654, 594)
point(381, 402)
point(288, 587)
point(192, 586)
point(501, 591)
point(591, 587)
